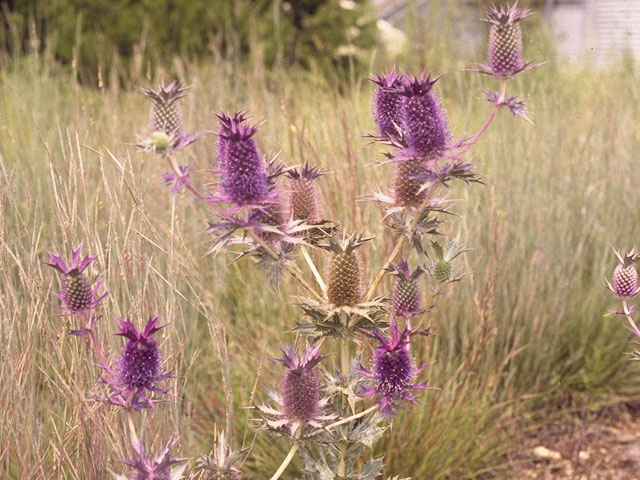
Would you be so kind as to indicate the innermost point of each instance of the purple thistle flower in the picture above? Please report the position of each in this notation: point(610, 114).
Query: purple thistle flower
point(153, 468)
point(174, 182)
point(242, 169)
point(165, 119)
point(423, 121)
point(76, 293)
point(387, 103)
point(406, 291)
point(304, 195)
point(393, 371)
point(299, 395)
point(137, 371)
point(625, 276)
point(505, 42)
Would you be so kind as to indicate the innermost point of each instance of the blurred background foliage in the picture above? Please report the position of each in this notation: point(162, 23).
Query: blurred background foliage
point(92, 35)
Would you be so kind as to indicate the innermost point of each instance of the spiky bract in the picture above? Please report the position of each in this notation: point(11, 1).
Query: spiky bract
point(220, 465)
point(137, 373)
point(242, 169)
point(393, 372)
point(153, 468)
point(299, 395)
point(387, 104)
point(424, 123)
point(406, 292)
point(304, 195)
point(76, 294)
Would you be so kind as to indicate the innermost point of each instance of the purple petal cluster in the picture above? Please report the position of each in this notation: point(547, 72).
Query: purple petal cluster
point(137, 373)
point(299, 396)
point(387, 104)
point(76, 294)
point(393, 372)
point(424, 123)
point(158, 467)
point(516, 106)
point(165, 117)
point(243, 176)
point(406, 291)
point(174, 182)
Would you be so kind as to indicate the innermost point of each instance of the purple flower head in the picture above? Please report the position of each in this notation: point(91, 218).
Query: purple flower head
point(153, 468)
point(165, 119)
point(408, 188)
point(505, 42)
point(393, 371)
point(423, 120)
point(304, 195)
point(387, 103)
point(242, 169)
point(137, 372)
point(175, 182)
point(625, 276)
point(406, 291)
point(299, 396)
point(76, 294)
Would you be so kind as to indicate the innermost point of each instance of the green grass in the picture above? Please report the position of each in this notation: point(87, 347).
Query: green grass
point(525, 330)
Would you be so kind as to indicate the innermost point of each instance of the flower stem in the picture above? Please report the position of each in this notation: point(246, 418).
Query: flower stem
point(187, 183)
point(292, 271)
point(627, 313)
point(96, 345)
point(314, 270)
point(285, 463)
point(475, 138)
point(352, 417)
point(396, 250)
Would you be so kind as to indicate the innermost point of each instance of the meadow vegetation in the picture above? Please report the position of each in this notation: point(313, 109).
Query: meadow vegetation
point(524, 334)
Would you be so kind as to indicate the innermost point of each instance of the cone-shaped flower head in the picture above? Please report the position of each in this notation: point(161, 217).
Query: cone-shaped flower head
point(299, 396)
point(344, 288)
point(423, 120)
point(393, 371)
point(505, 39)
point(137, 371)
point(442, 267)
point(407, 183)
point(165, 119)
point(387, 104)
point(304, 195)
point(76, 293)
point(625, 276)
point(158, 467)
point(220, 465)
point(406, 292)
point(242, 169)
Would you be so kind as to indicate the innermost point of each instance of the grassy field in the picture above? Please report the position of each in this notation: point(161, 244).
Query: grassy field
point(524, 334)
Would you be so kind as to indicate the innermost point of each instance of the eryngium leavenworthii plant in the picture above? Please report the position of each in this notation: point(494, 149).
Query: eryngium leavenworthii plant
point(153, 468)
point(387, 104)
point(393, 371)
point(423, 121)
point(165, 119)
point(344, 288)
point(299, 396)
point(137, 374)
point(625, 276)
point(505, 41)
point(441, 267)
point(243, 176)
point(304, 195)
point(76, 294)
point(406, 292)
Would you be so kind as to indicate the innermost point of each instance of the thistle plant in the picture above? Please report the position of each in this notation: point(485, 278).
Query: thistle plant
point(158, 467)
point(77, 296)
point(624, 285)
point(137, 374)
point(406, 294)
point(304, 194)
